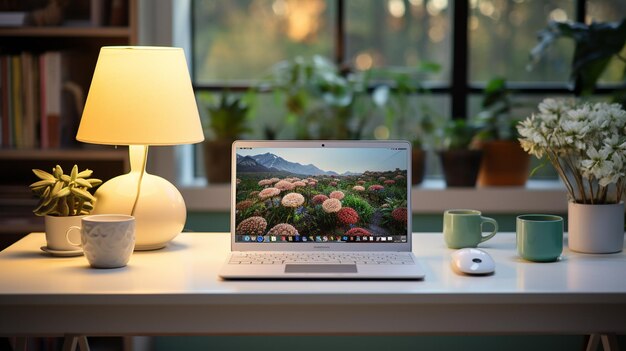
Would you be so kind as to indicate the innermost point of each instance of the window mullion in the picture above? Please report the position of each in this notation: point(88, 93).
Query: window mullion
point(460, 58)
point(340, 34)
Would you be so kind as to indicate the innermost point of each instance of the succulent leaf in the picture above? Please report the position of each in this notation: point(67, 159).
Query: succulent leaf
point(84, 174)
point(42, 183)
point(46, 208)
point(58, 172)
point(94, 181)
point(43, 174)
point(62, 193)
point(63, 209)
point(74, 173)
point(47, 198)
point(83, 194)
point(82, 182)
point(57, 187)
point(66, 178)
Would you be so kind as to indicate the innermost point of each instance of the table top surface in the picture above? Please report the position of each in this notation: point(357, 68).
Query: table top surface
point(189, 266)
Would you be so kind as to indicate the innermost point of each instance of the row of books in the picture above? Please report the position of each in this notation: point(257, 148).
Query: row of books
point(34, 98)
point(97, 13)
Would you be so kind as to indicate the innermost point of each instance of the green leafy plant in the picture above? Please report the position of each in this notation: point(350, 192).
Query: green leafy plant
point(495, 119)
point(458, 134)
point(227, 118)
point(324, 101)
point(394, 89)
point(596, 44)
point(317, 97)
point(64, 195)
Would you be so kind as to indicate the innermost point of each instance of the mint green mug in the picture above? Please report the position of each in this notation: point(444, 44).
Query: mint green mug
point(464, 228)
point(539, 237)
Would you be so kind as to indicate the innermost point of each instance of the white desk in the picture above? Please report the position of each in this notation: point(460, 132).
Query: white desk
point(176, 291)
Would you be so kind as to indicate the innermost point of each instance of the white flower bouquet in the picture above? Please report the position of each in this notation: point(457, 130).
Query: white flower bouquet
point(586, 143)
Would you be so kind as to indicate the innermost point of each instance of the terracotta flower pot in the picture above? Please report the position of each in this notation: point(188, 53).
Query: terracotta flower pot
point(504, 163)
point(460, 167)
point(418, 161)
point(217, 160)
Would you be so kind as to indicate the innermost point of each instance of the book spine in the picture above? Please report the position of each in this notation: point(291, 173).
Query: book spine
point(28, 101)
point(43, 117)
point(16, 76)
point(53, 97)
point(9, 96)
point(3, 88)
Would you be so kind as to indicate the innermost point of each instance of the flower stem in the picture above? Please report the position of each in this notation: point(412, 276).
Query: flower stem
point(557, 165)
point(578, 179)
point(591, 190)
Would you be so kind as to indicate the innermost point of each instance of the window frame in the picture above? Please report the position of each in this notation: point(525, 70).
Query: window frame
point(459, 86)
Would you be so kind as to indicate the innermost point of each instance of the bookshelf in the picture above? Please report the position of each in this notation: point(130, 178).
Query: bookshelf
point(78, 42)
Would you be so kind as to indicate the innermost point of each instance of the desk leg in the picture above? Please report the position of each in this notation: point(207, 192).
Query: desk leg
point(609, 342)
point(71, 341)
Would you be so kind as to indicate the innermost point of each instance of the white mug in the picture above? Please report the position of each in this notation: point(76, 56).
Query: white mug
point(107, 240)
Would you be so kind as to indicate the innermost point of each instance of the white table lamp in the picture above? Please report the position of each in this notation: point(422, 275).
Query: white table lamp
point(141, 96)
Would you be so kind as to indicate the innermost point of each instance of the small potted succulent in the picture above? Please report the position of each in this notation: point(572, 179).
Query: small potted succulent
point(63, 200)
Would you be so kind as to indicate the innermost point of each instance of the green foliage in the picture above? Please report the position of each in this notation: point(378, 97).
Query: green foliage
point(227, 119)
point(596, 44)
point(394, 88)
point(317, 96)
point(64, 195)
point(361, 206)
point(326, 102)
point(459, 134)
point(495, 120)
point(386, 210)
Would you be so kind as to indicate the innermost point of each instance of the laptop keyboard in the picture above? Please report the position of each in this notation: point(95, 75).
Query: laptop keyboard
point(280, 258)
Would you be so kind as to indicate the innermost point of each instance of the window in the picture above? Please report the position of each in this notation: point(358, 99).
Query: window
point(234, 44)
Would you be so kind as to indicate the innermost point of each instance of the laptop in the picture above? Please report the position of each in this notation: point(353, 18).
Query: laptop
point(321, 210)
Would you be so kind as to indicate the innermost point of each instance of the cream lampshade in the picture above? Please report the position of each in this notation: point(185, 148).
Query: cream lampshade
point(141, 96)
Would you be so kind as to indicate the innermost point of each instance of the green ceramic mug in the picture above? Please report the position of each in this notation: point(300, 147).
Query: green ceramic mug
point(539, 237)
point(464, 228)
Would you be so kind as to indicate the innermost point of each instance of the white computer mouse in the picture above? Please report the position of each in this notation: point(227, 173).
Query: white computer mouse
point(473, 261)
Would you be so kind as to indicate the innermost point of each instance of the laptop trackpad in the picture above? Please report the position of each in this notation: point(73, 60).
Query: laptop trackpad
point(320, 268)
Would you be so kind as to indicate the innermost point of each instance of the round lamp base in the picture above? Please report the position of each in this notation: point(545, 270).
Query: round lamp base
point(160, 212)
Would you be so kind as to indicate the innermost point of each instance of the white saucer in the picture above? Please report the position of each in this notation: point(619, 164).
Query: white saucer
point(62, 253)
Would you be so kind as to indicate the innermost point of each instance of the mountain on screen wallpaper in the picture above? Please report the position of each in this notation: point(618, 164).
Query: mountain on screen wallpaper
point(321, 192)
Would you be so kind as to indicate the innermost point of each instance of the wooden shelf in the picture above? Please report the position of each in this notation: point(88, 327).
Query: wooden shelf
point(67, 32)
point(79, 44)
point(64, 154)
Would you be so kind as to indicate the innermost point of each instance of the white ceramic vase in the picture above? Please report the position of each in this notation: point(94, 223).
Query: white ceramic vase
point(596, 229)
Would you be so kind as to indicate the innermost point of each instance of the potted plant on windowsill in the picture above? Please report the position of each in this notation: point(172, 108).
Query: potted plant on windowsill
point(460, 159)
point(226, 120)
point(586, 144)
point(63, 200)
point(406, 116)
point(504, 162)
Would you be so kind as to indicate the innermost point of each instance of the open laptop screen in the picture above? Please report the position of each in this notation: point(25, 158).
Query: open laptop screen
point(321, 194)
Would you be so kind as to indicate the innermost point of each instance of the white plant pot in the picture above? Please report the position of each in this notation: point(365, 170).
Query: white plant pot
point(596, 229)
point(56, 229)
